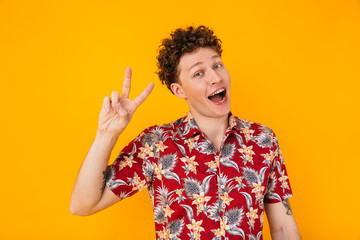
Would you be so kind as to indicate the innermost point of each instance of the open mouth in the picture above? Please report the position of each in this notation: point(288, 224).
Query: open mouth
point(218, 96)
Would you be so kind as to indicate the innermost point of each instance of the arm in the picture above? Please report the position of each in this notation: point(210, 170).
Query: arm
point(281, 221)
point(90, 193)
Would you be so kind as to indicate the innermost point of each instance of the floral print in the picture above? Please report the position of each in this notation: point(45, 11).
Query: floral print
point(198, 192)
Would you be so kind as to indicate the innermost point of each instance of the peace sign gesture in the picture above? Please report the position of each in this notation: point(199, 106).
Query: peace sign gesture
point(117, 112)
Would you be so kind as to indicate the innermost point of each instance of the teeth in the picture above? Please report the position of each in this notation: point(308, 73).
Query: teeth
point(218, 91)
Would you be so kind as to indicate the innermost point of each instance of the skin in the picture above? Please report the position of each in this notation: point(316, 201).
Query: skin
point(201, 73)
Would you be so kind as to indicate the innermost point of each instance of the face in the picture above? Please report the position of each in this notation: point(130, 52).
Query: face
point(204, 82)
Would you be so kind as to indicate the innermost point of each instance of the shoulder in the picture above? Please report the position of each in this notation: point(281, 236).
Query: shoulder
point(166, 127)
point(263, 135)
point(158, 132)
point(256, 126)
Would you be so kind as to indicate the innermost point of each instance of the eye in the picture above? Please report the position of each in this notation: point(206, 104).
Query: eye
point(198, 74)
point(217, 66)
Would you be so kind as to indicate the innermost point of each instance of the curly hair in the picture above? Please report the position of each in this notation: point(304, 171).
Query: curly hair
point(183, 41)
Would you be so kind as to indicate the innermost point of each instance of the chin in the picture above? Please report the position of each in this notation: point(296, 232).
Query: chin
point(222, 113)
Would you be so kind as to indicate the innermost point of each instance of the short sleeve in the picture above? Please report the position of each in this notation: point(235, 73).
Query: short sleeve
point(278, 188)
point(131, 171)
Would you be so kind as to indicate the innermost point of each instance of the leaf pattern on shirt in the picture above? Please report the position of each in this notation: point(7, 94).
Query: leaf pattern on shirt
point(111, 180)
point(207, 147)
point(172, 230)
point(191, 186)
point(167, 164)
point(227, 153)
point(234, 218)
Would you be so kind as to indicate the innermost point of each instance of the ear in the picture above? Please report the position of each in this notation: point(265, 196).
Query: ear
point(178, 90)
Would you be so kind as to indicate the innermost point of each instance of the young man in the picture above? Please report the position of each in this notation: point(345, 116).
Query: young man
point(210, 175)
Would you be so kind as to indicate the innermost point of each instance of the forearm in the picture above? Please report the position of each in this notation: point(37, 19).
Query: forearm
point(286, 233)
point(89, 183)
point(281, 221)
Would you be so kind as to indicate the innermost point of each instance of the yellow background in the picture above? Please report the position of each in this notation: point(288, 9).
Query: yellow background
point(295, 67)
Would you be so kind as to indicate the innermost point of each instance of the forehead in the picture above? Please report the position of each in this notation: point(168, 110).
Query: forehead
point(198, 56)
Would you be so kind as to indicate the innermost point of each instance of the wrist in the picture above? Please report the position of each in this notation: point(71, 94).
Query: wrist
point(105, 139)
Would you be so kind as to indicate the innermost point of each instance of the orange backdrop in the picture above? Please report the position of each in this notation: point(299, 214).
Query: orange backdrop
point(295, 67)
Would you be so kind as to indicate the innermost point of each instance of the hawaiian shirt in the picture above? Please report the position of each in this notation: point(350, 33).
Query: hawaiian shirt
point(198, 192)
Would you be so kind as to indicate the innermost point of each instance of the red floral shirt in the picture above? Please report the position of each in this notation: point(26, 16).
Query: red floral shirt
point(198, 192)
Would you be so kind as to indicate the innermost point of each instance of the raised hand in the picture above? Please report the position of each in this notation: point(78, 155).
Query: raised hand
point(117, 112)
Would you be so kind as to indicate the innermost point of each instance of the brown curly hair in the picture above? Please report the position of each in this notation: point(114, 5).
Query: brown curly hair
point(183, 41)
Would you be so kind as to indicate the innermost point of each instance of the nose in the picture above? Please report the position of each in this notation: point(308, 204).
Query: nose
point(215, 77)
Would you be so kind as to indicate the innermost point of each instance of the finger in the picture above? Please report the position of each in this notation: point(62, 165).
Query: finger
point(127, 83)
point(141, 98)
point(114, 99)
point(106, 104)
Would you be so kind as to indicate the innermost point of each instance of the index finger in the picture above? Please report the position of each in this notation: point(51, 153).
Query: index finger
point(141, 98)
point(127, 83)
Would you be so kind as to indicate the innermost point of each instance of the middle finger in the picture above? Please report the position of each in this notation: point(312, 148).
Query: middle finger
point(114, 99)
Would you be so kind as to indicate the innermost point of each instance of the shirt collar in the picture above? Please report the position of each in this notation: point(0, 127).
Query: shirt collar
point(189, 128)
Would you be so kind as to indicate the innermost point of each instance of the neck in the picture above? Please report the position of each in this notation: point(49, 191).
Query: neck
point(213, 128)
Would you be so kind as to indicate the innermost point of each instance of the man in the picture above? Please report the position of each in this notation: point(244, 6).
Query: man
point(210, 175)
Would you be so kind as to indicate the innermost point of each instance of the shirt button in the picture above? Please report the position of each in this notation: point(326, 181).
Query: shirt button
point(223, 205)
point(225, 218)
point(226, 238)
point(222, 186)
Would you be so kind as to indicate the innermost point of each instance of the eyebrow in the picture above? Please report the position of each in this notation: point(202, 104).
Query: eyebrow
point(198, 63)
